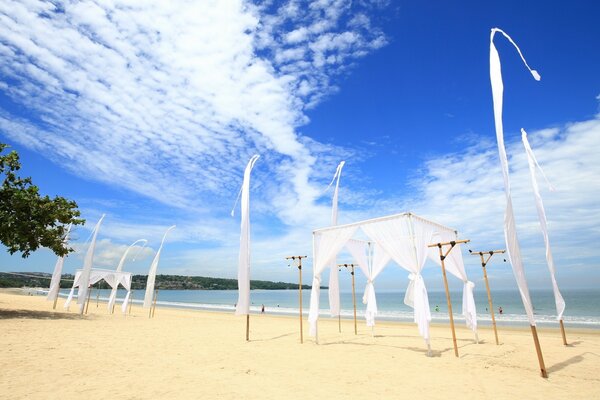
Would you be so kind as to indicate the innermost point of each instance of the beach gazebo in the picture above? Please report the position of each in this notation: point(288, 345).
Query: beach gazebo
point(402, 238)
point(112, 277)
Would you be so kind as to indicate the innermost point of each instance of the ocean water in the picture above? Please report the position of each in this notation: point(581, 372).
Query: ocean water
point(582, 310)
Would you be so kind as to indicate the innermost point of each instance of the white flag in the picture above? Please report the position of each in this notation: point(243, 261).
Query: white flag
point(243, 303)
point(334, 279)
point(57, 274)
point(113, 293)
point(87, 268)
point(152, 273)
point(510, 229)
point(532, 161)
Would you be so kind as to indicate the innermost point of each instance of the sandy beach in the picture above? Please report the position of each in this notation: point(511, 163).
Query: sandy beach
point(190, 354)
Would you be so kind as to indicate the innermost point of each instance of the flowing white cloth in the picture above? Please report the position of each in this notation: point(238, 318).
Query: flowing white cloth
point(510, 229)
point(87, 267)
point(371, 259)
point(326, 246)
point(113, 293)
point(113, 278)
point(57, 274)
point(334, 279)
point(243, 303)
point(405, 240)
point(148, 296)
point(454, 264)
point(532, 161)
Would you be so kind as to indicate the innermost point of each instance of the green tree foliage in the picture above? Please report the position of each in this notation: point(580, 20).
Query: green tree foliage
point(29, 220)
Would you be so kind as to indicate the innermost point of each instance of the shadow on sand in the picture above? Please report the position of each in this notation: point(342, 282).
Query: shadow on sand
point(29, 314)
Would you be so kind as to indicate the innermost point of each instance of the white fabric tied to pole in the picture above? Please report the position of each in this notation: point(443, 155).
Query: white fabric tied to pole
point(113, 293)
point(334, 278)
point(454, 264)
point(326, 246)
point(371, 259)
point(57, 274)
point(406, 244)
point(243, 304)
point(532, 161)
point(510, 229)
point(87, 267)
point(148, 296)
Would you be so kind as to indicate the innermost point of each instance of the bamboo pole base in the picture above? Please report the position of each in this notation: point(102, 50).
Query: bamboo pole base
point(247, 327)
point(562, 331)
point(538, 350)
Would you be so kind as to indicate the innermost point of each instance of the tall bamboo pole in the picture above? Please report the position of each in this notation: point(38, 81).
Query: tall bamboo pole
point(154, 305)
point(56, 298)
point(484, 263)
point(442, 258)
point(351, 268)
point(97, 297)
point(299, 258)
point(87, 304)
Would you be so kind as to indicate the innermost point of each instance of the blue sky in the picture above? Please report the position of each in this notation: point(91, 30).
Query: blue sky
point(149, 113)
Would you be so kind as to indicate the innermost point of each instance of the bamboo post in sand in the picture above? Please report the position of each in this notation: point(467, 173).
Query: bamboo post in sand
point(351, 266)
point(562, 331)
point(87, 304)
point(247, 327)
point(97, 297)
point(153, 308)
point(130, 302)
point(484, 263)
point(56, 298)
point(442, 258)
point(538, 350)
point(299, 258)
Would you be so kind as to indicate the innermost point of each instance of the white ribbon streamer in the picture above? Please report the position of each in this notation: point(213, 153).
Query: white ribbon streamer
point(87, 268)
point(57, 274)
point(243, 303)
point(148, 296)
point(532, 161)
point(510, 229)
point(334, 279)
point(113, 293)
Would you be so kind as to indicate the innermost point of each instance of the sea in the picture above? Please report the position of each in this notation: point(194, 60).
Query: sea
point(582, 306)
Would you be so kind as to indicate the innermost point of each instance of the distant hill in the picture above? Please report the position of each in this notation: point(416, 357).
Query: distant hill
point(179, 282)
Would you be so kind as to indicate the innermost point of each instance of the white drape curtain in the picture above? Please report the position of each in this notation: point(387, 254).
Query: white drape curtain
point(148, 296)
point(57, 274)
point(405, 241)
point(88, 262)
point(326, 246)
point(510, 229)
point(113, 278)
point(454, 264)
point(243, 304)
point(539, 204)
point(372, 259)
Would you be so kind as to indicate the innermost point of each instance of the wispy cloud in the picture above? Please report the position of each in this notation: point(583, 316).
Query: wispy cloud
point(170, 99)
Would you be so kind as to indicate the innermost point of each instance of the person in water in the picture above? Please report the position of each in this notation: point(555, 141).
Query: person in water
point(262, 310)
point(437, 308)
point(500, 310)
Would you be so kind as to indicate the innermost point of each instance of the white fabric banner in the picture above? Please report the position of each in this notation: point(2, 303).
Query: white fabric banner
point(532, 161)
point(243, 304)
point(57, 274)
point(113, 278)
point(326, 246)
point(113, 293)
point(88, 262)
point(334, 279)
point(148, 296)
point(510, 229)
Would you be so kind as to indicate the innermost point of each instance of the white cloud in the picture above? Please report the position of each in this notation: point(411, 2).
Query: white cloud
point(175, 95)
point(108, 254)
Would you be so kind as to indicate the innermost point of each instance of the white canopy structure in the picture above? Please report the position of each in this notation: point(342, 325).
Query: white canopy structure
point(113, 278)
point(403, 238)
